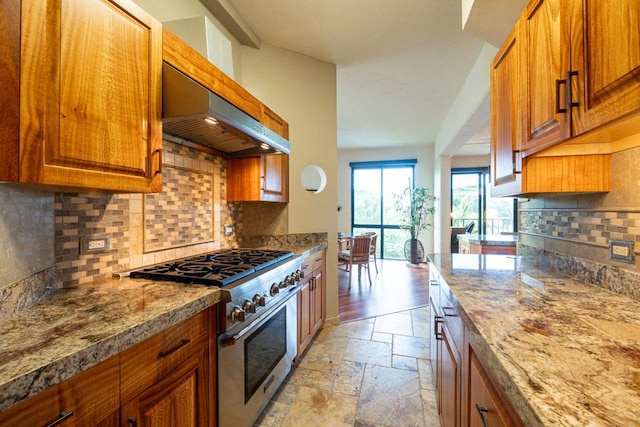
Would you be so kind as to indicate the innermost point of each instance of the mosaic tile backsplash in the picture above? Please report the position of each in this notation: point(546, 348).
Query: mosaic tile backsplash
point(185, 219)
point(587, 226)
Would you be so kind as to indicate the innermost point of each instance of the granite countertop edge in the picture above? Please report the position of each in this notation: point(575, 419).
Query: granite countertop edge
point(489, 240)
point(554, 344)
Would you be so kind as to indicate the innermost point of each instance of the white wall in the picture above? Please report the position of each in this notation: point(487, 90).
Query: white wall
point(470, 161)
point(423, 177)
point(302, 90)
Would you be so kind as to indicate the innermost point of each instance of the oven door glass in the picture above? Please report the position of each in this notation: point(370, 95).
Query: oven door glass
point(263, 350)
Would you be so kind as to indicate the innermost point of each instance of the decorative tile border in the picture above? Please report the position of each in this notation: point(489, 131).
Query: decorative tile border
point(586, 226)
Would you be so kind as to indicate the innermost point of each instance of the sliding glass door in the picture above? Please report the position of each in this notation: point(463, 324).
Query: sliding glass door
point(374, 185)
point(471, 202)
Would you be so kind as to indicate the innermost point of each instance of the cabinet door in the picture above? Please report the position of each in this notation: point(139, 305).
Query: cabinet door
point(606, 57)
point(544, 65)
point(178, 399)
point(90, 95)
point(505, 114)
point(449, 382)
point(304, 316)
point(275, 178)
point(273, 121)
point(317, 300)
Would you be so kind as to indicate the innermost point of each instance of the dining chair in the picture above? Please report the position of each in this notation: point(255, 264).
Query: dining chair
point(359, 253)
point(372, 251)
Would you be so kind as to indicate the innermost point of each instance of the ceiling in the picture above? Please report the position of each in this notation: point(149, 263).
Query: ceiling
point(400, 64)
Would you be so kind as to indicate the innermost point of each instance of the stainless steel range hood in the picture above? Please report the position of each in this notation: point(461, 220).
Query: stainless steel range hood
point(193, 113)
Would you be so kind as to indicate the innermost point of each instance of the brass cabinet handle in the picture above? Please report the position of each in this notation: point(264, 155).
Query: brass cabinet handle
point(182, 343)
point(570, 102)
point(63, 416)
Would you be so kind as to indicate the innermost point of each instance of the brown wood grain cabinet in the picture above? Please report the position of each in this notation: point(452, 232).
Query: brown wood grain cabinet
point(89, 95)
point(89, 398)
point(465, 391)
point(263, 178)
point(581, 69)
point(482, 405)
point(166, 379)
point(311, 299)
point(565, 91)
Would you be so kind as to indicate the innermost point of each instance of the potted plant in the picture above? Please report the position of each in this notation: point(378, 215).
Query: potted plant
point(416, 209)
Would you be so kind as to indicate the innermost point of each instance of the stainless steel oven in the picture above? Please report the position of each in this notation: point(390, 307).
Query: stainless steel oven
point(254, 362)
point(257, 326)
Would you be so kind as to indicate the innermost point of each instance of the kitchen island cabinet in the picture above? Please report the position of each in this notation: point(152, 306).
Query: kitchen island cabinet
point(90, 96)
point(539, 348)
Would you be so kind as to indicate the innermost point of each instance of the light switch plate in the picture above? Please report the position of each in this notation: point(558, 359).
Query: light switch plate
point(621, 250)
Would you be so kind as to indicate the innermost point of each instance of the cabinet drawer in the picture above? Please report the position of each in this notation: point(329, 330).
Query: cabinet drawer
point(317, 260)
point(144, 364)
point(89, 398)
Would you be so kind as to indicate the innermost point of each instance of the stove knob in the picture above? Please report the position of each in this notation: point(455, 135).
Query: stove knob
point(237, 314)
point(274, 289)
point(290, 280)
point(249, 306)
point(299, 275)
point(282, 284)
point(259, 300)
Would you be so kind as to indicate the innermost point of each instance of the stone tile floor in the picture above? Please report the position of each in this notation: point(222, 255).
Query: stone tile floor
point(367, 373)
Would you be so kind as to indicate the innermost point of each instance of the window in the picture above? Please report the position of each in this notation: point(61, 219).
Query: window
point(372, 197)
point(471, 202)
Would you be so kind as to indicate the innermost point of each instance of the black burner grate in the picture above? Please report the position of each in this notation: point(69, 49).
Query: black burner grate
point(219, 268)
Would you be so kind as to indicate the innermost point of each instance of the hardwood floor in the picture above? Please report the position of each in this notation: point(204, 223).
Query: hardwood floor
point(396, 287)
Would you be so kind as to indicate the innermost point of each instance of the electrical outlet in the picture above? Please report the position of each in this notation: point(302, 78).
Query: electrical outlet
point(621, 250)
point(91, 244)
point(228, 230)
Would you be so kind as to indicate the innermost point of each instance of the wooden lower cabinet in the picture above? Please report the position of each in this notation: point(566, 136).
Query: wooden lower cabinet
point(179, 399)
point(465, 392)
point(166, 380)
point(482, 404)
point(311, 299)
point(91, 398)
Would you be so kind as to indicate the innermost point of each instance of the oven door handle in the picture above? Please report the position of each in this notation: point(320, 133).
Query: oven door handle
point(228, 340)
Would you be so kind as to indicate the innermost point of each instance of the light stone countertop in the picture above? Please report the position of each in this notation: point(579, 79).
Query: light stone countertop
point(566, 353)
point(77, 328)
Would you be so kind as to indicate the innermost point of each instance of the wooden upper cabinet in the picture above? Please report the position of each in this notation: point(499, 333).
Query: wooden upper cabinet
point(580, 71)
point(90, 95)
point(606, 58)
point(505, 143)
point(545, 61)
point(264, 178)
point(273, 121)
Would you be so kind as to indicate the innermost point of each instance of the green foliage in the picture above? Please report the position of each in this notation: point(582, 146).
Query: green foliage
point(416, 208)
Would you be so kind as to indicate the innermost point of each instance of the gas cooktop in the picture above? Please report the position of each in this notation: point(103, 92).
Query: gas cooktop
point(219, 268)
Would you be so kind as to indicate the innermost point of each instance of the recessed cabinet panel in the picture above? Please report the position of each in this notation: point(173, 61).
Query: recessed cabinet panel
point(546, 119)
point(90, 101)
point(606, 59)
point(104, 67)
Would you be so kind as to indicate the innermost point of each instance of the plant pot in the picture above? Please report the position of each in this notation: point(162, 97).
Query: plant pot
point(413, 252)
